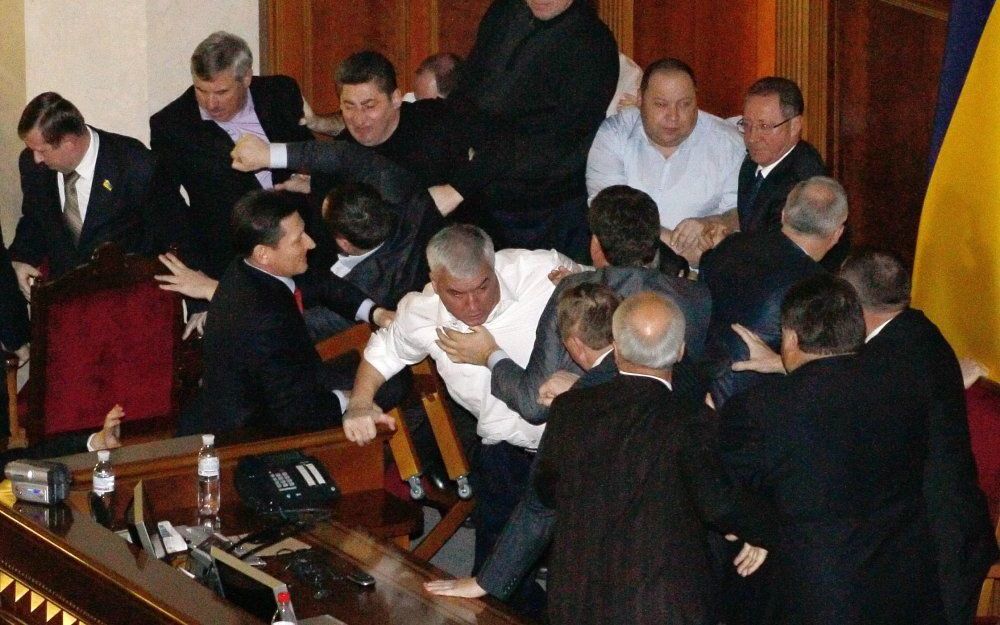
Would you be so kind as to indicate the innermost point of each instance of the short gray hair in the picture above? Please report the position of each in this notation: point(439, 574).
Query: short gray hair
point(817, 206)
point(461, 249)
point(650, 340)
point(219, 52)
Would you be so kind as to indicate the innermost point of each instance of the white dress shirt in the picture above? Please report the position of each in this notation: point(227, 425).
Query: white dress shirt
point(524, 291)
point(86, 180)
point(699, 179)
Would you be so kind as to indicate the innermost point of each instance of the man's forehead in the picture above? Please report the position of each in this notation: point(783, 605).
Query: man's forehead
point(671, 78)
point(362, 91)
point(465, 283)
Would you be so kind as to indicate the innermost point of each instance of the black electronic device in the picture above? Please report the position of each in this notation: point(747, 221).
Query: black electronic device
point(253, 590)
point(287, 481)
point(142, 524)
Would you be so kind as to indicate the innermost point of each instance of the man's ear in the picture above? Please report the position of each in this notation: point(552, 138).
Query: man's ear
point(597, 253)
point(680, 352)
point(246, 79)
point(396, 98)
point(261, 255)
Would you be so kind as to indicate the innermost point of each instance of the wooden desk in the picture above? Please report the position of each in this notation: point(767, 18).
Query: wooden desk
point(58, 566)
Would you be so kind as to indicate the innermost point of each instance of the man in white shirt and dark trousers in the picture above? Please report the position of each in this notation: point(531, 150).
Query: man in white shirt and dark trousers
point(471, 287)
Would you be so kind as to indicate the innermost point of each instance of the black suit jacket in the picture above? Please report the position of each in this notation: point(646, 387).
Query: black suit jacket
point(748, 276)
point(261, 368)
point(529, 529)
point(920, 379)
point(802, 163)
point(128, 205)
point(845, 472)
point(634, 477)
point(14, 329)
point(518, 387)
point(195, 155)
point(400, 264)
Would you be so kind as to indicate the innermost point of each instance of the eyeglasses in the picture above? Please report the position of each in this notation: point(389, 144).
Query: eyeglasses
point(744, 126)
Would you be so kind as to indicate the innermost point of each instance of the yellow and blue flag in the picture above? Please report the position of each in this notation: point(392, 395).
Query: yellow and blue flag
point(956, 272)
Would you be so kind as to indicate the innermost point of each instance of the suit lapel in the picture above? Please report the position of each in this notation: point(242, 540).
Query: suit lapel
point(102, 189)
point(262, 106)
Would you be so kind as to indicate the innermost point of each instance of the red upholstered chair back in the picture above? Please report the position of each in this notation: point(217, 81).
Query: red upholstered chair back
point(103, 334)
point(983, 402)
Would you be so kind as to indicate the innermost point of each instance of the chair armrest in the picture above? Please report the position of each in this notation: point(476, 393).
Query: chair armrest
point(16, 438)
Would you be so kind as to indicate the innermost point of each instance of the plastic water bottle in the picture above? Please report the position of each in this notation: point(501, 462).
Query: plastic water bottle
point(103, 479)
point(208, 477)
point(284, 615)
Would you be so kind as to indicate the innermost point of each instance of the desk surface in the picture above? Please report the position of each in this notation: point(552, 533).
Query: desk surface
point(59, 559)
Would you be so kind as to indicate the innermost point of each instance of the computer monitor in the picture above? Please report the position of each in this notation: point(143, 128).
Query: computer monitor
point(251, 589)
point(142, 524)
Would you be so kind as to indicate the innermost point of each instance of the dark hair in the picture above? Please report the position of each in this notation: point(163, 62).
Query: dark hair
point(626, 222)
point(666, 65)
point(825, 313)
point(366, 66)
point(357, 212)
point(220, 52)
point(789, 94)
point(447, 69)
point(880, 279)
point(585, 311)
point(53, 115)
point(256, 220)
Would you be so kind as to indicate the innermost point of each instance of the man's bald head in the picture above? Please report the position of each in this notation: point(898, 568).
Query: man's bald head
point(649, 331)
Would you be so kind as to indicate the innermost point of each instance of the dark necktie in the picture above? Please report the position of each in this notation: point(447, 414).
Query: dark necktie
point(758, 182)
point(298, 299)
point(71, 208)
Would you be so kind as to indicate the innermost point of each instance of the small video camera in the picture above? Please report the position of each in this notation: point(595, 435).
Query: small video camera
point(38, 481)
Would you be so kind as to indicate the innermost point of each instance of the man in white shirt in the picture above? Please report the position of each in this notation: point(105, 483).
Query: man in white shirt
point(687, 160)
point(471, 287)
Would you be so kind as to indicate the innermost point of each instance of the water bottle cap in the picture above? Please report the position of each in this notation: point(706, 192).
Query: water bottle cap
point(208, 439)
point(284, 597)
point(104, 455)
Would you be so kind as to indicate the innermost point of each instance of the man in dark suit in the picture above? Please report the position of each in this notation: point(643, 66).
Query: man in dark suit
point(627, 252)
point(919, 378)
point(584, 322)
point(777, 158)
point(749, 274)
point(844, 470)
point(193, 136)
point(634, 478)
point(261, 368)
point(83, 187)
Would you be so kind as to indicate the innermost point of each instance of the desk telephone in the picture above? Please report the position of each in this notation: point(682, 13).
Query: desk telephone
point(287, 480)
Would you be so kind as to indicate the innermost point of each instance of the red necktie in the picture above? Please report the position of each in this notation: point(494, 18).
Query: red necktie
point(298, 298)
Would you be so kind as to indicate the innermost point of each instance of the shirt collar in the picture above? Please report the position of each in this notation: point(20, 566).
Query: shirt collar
point(507, 299)
point(283, 279)
point(764, 171)
point(878, 329)
point(651, 377)
point(88, 163)
point(601, 358)
point(347, 262)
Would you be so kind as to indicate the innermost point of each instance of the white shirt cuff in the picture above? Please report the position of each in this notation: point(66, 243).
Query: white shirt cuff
point(364, 311)
point(90, 442)
point(496, 357)
point(342, 398)
point(279, 156)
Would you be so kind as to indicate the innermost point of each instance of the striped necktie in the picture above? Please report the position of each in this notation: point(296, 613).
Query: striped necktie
point(71, 208)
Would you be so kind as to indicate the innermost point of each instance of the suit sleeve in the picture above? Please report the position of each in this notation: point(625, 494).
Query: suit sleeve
point(729, 506)
point(292, 385)
point(393, 183)
point(322, 288)
point(29, 238)
point(14, 328)
point(518, 387)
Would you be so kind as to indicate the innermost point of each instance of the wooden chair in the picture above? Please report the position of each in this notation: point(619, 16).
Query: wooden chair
point(988, 611)
point(10, 362)
point(427, 387)
point(105, 334)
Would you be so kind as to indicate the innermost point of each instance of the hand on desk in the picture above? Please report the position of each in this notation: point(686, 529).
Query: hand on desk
point(464, 587)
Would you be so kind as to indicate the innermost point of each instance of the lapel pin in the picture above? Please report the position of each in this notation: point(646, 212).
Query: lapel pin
point(107, 185)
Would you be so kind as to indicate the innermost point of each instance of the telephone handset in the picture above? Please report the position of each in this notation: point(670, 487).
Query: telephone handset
point(288, 480)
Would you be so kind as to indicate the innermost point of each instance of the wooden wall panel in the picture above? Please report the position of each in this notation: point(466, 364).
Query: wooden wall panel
point(887, 60)
point(457, 21)
point(728, 44)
